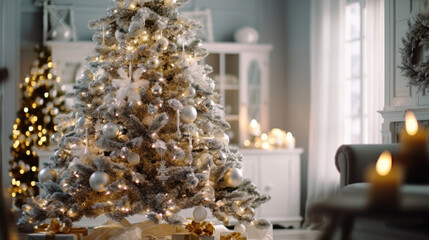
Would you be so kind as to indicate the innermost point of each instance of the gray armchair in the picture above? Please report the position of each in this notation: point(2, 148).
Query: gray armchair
point(352, 162)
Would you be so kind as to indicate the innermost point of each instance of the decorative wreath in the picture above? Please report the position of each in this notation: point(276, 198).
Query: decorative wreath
point(415, 40)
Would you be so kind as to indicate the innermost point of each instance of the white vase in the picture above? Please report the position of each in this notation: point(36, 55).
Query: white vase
point(246, 35)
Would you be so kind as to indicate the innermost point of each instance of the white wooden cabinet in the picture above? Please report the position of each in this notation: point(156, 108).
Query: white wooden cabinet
point(277, 173)
point(241, 72)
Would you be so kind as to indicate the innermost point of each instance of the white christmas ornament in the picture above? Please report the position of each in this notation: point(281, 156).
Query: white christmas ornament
point(189, 114)
point(61, 33)
point(133, 158)
point(46, 175)
point(246, 35)
point(233, 177)
point(110, 130)
point(199, 213)
point(240, 228)
point(98, 181)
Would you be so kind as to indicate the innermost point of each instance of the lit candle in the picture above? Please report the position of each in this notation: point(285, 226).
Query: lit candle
point(413, 154)
point(254, 128)
point(277, 137)
point(385, 180)
point(290, 140)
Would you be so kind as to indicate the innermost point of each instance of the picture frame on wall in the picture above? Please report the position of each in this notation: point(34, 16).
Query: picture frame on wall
point(205, 18)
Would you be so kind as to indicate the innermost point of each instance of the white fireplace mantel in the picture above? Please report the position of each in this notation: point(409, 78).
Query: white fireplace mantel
point(398, 115)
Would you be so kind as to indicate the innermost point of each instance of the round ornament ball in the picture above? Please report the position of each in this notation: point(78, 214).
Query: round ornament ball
point(204, 161)
point(98, 181)
point(191, 92)
point(246, 35)
point(162, 43)
point(46, 175)
point(152, 62)
point(222, 137)
point(219, 158)
point(133, 158)
point(240, 228)
point(61, 33)
point(189, 114)
point(208, 105)
point(199, 213)
point(233, 177)
point(110, 130)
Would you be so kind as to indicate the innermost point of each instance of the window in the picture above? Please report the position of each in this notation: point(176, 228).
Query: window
point(356, 122)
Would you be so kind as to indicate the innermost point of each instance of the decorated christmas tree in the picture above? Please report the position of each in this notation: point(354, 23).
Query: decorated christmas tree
point(42, 100)
point(144, 135)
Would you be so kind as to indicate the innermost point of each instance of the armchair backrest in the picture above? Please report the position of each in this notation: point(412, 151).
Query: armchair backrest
point(353, 160)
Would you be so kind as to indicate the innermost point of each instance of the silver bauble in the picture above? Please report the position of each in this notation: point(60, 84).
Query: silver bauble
point(162, 43)
point(98, 181)
point(222, 137)
point(188, 114)
point(46, 175)
point(191, 92)
point(125, 151)
point(55, 138)
point(199, 214)
point(133, 158)
point(207, 105)
point(219, 158)
point(152, 62)
point(233, 177)
point(156, 89)
point(110, 130)
point(204, 161)
point(61, 33)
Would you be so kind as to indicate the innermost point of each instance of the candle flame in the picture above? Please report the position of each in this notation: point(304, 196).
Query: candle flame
point(384, 163)
point(289, 136)
point(411, 125)
point(253, 123)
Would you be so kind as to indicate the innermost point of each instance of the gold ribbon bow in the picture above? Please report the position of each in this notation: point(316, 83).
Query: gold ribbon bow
point(234, 236)
point(203, 228)
point(55, 227)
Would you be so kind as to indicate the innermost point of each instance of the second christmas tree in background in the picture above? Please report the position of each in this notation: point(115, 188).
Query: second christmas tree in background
point(145, 135)
point(42, 100)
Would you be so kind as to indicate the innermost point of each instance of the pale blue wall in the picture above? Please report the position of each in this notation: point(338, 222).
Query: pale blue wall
point(283, 23)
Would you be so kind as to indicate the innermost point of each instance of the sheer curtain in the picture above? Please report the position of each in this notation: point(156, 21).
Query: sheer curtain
point(374, 63)
point(328, 76)
point(326, 116)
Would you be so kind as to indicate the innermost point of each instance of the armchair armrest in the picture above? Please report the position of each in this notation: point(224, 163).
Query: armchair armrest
point(352, 160)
